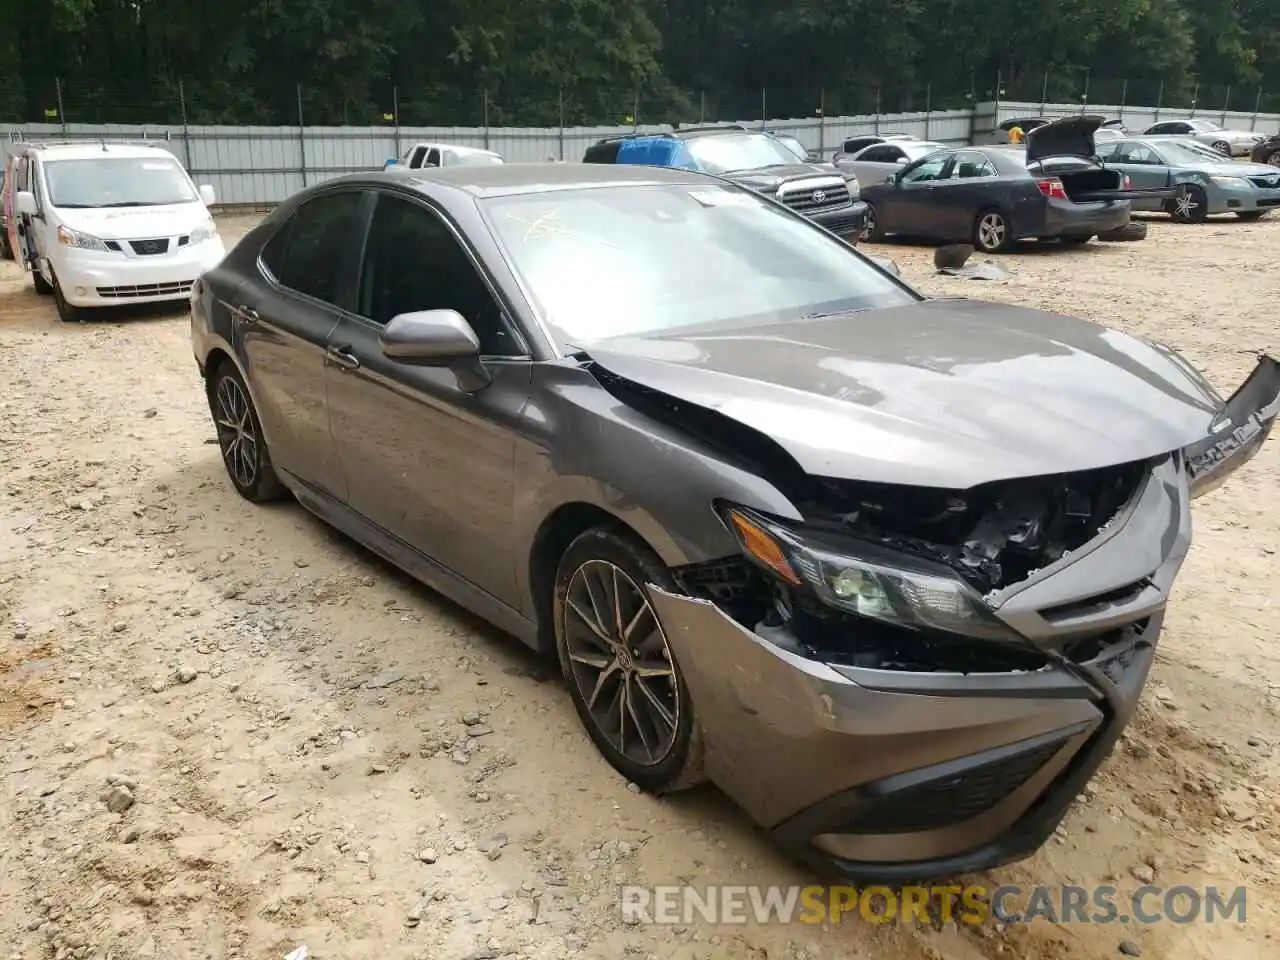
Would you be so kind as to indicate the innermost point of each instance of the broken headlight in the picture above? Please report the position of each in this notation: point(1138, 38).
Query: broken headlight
point(867, 580)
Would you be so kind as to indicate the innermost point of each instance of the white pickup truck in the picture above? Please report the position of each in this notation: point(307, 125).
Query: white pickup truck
point(444, 155)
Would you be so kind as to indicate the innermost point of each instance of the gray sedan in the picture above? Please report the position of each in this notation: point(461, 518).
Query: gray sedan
point(890, 571)
point(879, 161)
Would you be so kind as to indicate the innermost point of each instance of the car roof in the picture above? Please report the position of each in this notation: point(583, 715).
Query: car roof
point(526, 178)
point(457, 148)
point(94, 150)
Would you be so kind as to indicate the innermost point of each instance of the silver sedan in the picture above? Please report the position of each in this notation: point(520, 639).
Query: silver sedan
point(876, 163)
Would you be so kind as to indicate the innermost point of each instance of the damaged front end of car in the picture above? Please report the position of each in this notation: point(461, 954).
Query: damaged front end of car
point(915, 682)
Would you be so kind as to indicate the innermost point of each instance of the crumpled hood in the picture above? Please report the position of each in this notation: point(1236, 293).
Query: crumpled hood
point(1236, 169)
point(768, 179)
point(944, 393)
point(136, 223)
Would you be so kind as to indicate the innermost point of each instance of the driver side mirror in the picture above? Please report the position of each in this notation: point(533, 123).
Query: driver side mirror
point(901, 161)
point(436, 338)
point(25, 203)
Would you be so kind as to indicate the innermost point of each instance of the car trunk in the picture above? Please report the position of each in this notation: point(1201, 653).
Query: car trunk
point(1096, 183)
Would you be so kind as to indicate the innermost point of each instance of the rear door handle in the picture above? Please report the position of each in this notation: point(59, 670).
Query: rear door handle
point(247, 314)
point(343, 357)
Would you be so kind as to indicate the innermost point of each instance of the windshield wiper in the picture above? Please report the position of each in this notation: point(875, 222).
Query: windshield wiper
point(131, 203)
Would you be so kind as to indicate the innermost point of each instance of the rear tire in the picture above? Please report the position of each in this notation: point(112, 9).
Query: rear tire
point(991, 233)
point(1133, 230)
point(240, 440)
point(1252, 214)
point(1191, 205)
point(1273, 159)
point(655, 742)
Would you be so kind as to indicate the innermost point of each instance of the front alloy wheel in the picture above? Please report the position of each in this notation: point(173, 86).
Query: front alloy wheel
point(1191, 205)
point(613, 651)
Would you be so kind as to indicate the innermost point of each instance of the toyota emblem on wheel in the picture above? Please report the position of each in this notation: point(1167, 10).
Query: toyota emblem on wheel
point(819, 196)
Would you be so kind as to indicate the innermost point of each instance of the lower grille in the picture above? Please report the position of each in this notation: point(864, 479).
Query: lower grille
point(945, 803)
point(150, 248)
point(817, 197)
point(1268, 181)
point(176, 288)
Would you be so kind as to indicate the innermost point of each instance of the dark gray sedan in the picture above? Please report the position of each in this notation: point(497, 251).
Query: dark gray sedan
point(890, 571)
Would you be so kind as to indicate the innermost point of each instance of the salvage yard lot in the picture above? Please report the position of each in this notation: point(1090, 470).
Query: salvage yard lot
point(320, 751)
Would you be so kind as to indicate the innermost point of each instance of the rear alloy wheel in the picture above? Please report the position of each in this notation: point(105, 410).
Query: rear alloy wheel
point(244, 451)
point(871, 232)
point(991, 232)
point(1223, 148)
point(1191, 205)
point(624, 681)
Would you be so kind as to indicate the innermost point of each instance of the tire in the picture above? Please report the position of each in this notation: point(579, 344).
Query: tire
point(6, 251)
point(1250, 215)
point(991, 233)
point(1273, 159)
point(1223, 148)
point(66, 312)
point(240, 440)
point(43, 287)
point(871, 230)
point(1190, 206)
point(658, 755)
point(1133, 230)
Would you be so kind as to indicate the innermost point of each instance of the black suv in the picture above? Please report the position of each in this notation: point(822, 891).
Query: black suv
point(750, 158)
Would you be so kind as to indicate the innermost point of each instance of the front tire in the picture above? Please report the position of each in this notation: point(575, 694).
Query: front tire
point(991, 233)
point(66, 312)
point(240, 440)
point(624, 681)
point(43, 286)
point(872, 232)
point(1191, 205)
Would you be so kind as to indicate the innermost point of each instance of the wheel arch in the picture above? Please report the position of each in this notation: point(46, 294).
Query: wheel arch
point(550, 541)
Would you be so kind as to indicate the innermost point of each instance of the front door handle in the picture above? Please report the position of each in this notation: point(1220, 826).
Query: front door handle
point(343, 357)
point(247, 314)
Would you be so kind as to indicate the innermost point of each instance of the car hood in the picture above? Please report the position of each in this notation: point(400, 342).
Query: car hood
point(136, 223)
point(1230, 168)
point(1068, 137)
point(943, 393)
point(771, 178)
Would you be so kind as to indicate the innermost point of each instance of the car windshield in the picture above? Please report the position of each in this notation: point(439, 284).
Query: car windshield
point(620, 261)
point(1189, 154)
point(728, 153)
point(117, 182)
point(795, 146)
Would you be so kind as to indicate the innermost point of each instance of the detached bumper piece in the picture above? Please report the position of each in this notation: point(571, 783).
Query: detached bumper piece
point(1239, 433)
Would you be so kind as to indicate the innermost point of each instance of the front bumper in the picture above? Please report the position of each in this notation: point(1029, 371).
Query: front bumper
point(844, 221)
point(93, 279)
point(1243, 197)
point(902, 775)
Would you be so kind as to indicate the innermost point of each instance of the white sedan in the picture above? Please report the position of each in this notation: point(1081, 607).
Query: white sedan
point(876, 163)
point(1232, 143)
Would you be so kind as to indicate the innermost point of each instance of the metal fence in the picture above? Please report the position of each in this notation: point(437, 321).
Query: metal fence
point(258, 166)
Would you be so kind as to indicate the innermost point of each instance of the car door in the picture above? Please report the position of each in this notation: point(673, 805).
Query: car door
point(282, 323)
point(967, 186)
point(911, 210)
point(1144, 167)
point(426, 460)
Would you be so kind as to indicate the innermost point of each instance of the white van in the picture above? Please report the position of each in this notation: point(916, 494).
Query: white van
point(422, 155)
point(104, 224)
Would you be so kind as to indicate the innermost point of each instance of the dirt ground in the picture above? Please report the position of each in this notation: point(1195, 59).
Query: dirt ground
point(318, 751)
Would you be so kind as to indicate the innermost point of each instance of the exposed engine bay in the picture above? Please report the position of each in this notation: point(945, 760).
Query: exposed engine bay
point(994, 535)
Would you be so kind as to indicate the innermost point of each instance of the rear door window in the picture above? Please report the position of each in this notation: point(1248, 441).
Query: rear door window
point(418, 154)
point(971, 165)
point(307, 254)
point(882, 153)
